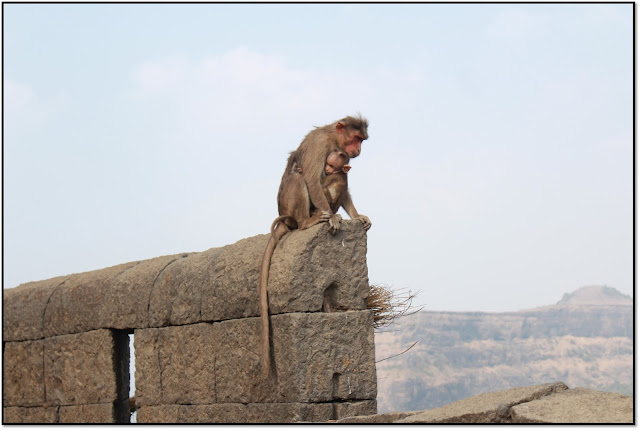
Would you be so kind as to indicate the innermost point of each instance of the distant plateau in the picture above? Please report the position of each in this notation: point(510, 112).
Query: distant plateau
point(584, 340)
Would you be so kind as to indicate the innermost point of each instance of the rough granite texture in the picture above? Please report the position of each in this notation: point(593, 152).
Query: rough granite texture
point(79, 369)
point(236, 413)
point(254, 412)
point(318, 358)
point(19, 415)
point(23, 373)
point(74, 305)
point(580, 405)
point(387, 418)
point(548, 403)
point(90, 414)
point(98, 414)
point(484, 408)
point(24, 307)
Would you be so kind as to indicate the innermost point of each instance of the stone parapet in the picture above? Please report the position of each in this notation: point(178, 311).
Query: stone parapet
point(196, 326)
point(215, 285)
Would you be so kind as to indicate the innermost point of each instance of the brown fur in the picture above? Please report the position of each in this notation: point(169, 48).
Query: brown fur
point(303, 202)
point(335, 188)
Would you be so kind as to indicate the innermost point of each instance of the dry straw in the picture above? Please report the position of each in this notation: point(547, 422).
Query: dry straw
point(388, 304)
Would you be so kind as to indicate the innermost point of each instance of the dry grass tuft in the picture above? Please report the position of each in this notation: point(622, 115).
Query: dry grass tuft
point(388, 304)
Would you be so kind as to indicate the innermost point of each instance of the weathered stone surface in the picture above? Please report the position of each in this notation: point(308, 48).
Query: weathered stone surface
point(308, 262)
point(125, 303)
point(157, 414)
point(222, 283)
point(325, 357)
point(23, 373)
point(176, 364)
point(80, 369)
point(37, 415)
point(237, 413)
point(579, 405)
point(214, 285)
point(193, 283)
point(484, 408)
point(318, 357)
point(92, 414)
point(387, 418)
point(23, 309)
point(351, 409)
point(74, 306)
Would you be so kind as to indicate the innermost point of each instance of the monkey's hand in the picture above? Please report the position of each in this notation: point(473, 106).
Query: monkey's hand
point(365, 221)
point(334, 223)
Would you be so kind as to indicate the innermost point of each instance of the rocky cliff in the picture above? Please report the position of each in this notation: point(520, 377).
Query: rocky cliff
point(584, 340)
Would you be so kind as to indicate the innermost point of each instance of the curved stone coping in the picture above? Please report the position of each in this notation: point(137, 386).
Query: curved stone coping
point(214, 285)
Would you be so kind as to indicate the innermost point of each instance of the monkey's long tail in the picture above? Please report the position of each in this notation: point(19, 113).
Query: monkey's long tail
point(265, 356)
point(275, 223)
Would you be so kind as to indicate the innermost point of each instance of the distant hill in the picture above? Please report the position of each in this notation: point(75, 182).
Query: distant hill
point(596, 295)
point(584, 340)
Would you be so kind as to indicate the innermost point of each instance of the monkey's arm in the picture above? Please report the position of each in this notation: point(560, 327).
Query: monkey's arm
point(312, 168)
point(350, 208)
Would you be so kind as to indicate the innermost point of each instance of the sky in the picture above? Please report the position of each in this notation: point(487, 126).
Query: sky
point(498, 174)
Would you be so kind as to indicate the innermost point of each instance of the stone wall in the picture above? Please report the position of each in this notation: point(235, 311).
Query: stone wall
point(197, 345)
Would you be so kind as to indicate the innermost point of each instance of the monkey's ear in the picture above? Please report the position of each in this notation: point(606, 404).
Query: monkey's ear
point(346, 168)
point(340, 126)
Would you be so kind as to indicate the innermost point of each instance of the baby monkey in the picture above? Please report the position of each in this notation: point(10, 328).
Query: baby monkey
point(334, 181)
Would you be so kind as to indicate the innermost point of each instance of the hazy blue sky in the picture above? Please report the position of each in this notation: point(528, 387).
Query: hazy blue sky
point(498, 173)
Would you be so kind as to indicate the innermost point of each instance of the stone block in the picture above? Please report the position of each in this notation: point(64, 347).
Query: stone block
point(37, 415)
point(74, 306)
point(193, 283)
point(157, 414)
point(23, 309)
point(485, 408)
point(81, 369)
point(319, 357)
point(222, 283)
point(323, 357)
point(237, 413)
point(95, 414)
point(309, 264)
point(176, 364)
point(23, 379)
point(125, 303)
point(577, 406)
point(352, 409)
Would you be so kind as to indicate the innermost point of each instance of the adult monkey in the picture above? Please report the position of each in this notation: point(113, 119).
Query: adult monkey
point(301, 194)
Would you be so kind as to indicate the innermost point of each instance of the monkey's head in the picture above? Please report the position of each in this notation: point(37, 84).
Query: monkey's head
point(337, 162)
point(351, 132)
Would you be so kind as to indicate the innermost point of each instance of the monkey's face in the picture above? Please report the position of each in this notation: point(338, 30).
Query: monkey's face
point(352, 144)
point(330, 169)
point(334, 164)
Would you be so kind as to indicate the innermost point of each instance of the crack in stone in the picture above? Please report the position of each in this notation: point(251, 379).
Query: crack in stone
point(46, 306)
point(44, 373)
point(160, 369)
point(153, 285)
